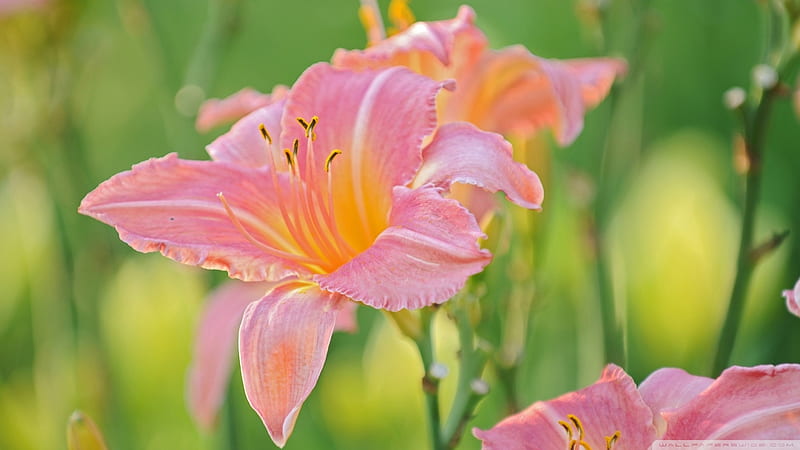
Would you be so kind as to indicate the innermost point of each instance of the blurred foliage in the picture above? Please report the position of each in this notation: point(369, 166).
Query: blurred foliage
point(89, 87)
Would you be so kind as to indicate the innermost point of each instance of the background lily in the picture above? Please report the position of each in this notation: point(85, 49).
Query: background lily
point(509, 91)
point(759, 402)
point(344, 203)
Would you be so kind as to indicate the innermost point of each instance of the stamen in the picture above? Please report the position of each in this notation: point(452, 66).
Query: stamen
point(578, 442)
point(265, 133)
point(566, 426)
point(370, 17)
point(329, 159)
point(610, 440)
point(302, 123)
point(295, 148)
point(578, 425)
point(261, 246)
point(400, 14)
point(289, 159)
point(310, 128)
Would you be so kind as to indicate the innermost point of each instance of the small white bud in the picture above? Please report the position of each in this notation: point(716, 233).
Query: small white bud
point(438, 370)
point(734, 97)
point(765, 76)
point(479, 387)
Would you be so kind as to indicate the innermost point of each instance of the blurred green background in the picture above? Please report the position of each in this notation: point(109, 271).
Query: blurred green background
point(88, 88)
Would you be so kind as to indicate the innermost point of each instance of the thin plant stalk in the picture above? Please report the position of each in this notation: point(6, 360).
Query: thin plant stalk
point(430, 383)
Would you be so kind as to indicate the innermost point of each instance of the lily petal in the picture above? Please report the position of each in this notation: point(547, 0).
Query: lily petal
point(668, 389)
point(214, 346)
point(512, 91)
point(346, 318)
point(609, 405)
point(171, 206)
point(214, 112)
point(793, 299)
point(244, 144)
point(462, 153)
point(423, 257)
point(596, 76)
point(378, 119)
point(761, 402)
point(283, 343)
point(429, 48)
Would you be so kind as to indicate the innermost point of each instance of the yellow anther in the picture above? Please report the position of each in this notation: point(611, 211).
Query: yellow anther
point(295, 148)
point(265, 133)
point(578, 443)
point(578, 425)
point(289, 158)
point(400, 15)
point(329, 159)
point(610, 440)
point(566, 426)
point(310, 128)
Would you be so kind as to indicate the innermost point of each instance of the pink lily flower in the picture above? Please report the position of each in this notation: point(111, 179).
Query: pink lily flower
point(793, 299)
point(508, 91)
point(761, 402)
point(346, 205)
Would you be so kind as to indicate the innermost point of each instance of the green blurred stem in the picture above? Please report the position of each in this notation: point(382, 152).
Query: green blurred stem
point(472, 361)
point(231, 421)
point(755, 133)
point(507, 376)
point(430, 384)
point(614, 166)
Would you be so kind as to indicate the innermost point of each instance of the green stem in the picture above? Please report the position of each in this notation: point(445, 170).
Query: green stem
point(471, 365)
point(430, 384)
point(507, 376)
point(755, 133)
point(613, 167)
point(234, 392)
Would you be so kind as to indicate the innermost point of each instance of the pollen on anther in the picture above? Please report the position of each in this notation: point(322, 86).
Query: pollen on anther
point(329, 159)
point(310, 129)
point(265, 133)
point(289, 159)
point(295, 147)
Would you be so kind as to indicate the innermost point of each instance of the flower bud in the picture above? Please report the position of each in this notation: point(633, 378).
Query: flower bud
point(765, 76)
point(734, 97)
point(438, 370)
point(83, 434)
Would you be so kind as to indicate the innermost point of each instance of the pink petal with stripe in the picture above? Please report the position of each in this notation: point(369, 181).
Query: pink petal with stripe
point(283, 343)
point(171, 206)
point(461, 153)
point(761, 402)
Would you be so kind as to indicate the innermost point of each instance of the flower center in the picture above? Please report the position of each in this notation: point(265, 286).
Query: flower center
point(576, 434)
point(306, 203)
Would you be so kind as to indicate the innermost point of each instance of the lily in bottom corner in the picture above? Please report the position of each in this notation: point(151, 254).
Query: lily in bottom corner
point(752, 403)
